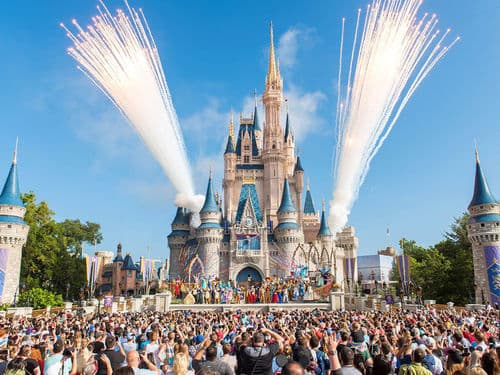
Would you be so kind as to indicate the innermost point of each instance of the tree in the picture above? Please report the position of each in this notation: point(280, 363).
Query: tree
point(40, 298)
point(52, 254)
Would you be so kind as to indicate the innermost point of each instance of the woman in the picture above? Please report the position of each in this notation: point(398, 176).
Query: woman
point(31, 365)
point(180, 365)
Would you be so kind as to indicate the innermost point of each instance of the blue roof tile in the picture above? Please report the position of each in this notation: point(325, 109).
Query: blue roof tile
point(246, 191)
point(229, 146)
point(210, 226)
point(324, 229)
point(486, 218)
point(10, 193)
point(482, 193)
point(11, 219)
point(128, 264)
point(210, 204)
point(309, 204)
point(256, 124)
point(286, 199)
point(298, 166)
point(288, 225)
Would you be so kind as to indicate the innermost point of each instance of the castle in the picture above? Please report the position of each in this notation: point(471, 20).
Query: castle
point(483, 230)
point(13, 235)
point(258, 228)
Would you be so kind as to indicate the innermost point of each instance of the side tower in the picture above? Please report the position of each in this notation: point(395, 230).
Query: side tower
point(13, 234)
point(210, 233)
point(176, 242)
point(116, 282)
point(326, 243)
point(288, 233)
point(483, 229)
point(310, 219)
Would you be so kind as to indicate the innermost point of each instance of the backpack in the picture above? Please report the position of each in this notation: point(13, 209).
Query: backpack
point(16, 367)
point(429, 362)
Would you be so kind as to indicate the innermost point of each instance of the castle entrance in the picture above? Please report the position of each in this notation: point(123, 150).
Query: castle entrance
point(249, 276)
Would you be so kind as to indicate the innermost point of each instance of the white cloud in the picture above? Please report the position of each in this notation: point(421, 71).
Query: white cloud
point(148, 191)
point(289, 42)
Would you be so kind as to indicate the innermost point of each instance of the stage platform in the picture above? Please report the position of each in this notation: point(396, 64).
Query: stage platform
point(252, 306)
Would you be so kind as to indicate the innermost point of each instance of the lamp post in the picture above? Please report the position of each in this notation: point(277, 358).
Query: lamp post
point(67, 290)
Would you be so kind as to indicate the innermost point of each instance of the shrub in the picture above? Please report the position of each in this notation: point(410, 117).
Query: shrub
point(40, 298)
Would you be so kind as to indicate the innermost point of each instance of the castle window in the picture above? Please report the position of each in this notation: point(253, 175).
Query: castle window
point(9, 226)
point(246, 159)
point(481, 207)
point(482, 224)
point(274, 146)
point(247, 148)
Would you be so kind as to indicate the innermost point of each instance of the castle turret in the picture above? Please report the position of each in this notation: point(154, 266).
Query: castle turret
point(310, 218)
point(483, 230)
point(176, 241)
point(289, 141)
point(13, 234)
point(288, 233)
point(298, 177)
point(256, 124)
point(325, 238)
point(116, 284)
point(210, 233)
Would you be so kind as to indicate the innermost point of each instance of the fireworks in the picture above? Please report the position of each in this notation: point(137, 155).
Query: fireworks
point(391, 58)
point(119, 55)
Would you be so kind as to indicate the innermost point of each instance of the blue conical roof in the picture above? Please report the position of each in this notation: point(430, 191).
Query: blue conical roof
point(210, 204)
point(482, 193)
point(181, 217)
point(324, 229)
point(309, 204)
point(256, 125)
point(128, 264)
point(298, 165)
point(10, 193)
point(286, 199)
point(229, 146)
point(288, 132)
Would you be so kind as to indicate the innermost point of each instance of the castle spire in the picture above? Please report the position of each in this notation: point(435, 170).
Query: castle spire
point(482, 193)
point(210, 204)
point(286, 199)
point(273, 75)
point(308, 203)
point(256, 125)
point(230, 138)
point(10, 194)
point(324, 229)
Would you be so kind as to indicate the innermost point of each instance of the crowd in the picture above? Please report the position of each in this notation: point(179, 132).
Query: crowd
point(271, 290)
point(297, 342)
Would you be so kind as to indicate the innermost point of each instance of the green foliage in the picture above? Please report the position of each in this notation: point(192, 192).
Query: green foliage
point(445, 270)
point(52, 254)
point(40, 298)
point(4, 306)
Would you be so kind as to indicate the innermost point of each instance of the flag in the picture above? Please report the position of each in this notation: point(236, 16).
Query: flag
point(404, 270)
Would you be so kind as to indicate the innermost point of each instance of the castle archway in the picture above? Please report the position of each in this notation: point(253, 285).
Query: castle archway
point(249, 272)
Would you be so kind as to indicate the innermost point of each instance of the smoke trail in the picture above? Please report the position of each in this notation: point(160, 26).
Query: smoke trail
point(119, 55)
point(397, 50)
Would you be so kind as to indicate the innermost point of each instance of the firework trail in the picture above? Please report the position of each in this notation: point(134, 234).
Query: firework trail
point(119, 55)
point(392, 52)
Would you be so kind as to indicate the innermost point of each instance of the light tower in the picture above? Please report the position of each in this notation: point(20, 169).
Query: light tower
point(13, 234)
point(483, 229)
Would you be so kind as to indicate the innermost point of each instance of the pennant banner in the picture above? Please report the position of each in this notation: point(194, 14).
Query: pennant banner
point(492, 258)
point(350, 266)
point(404, 271)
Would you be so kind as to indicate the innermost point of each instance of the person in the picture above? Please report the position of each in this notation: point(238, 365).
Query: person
point(211, 361)
point(293, 368)
point(301, 353)
point(415, 367)
point(134, 360)
point(347, 362)
point(227, 357)
point(257, 358)
point(124, 370)
point(117, 358)
point(31, 366)
point(59, 364)
point(181, 365)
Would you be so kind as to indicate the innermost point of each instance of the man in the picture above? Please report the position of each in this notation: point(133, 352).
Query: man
point(347, 362)
point(293, 368)
point(117, 358)
point(134, 359)
point(257, 358)
point(211, 361)
point(57, 364)
point(431, 361)
point(415, 367)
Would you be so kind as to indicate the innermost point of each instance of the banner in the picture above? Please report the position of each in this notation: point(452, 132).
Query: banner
point(249, 241)
point(92, 262)
point(492, 258)
point(404, 271)
point(108, 301)
point(350, 266)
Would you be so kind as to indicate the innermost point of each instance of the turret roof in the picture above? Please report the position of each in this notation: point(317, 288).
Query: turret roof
point(482, 193)
point(229, 146)
point(298, 165)
point(309, 204)
point(10, 194)
point(210, 204)
point(324, 229)
point(286, 199)
point(128, 264)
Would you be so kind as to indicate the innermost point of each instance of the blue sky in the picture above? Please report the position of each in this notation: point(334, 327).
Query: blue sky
point(77, 153)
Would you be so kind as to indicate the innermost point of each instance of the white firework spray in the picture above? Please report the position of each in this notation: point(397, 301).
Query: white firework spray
point(119, 55)
point(395, 52)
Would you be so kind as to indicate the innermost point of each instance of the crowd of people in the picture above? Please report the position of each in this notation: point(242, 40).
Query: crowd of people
point(271, 290)
point(298, 342)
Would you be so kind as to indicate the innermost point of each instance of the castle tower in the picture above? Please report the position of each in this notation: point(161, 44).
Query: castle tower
point(325, 238)
point(288, 233)
point(13, 234)
point(273, 155)
point(289, 142)
point(176, 241)
point(298, 177)
point(310, 218)
point(483, 229)
point(210, 233)
point(256, 124)
point(116, 284)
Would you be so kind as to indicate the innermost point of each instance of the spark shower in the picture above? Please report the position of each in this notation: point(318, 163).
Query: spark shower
point(119, 55)
point(392, 53)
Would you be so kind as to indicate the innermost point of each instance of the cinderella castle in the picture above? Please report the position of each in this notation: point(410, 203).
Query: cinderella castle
point(260, 226)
